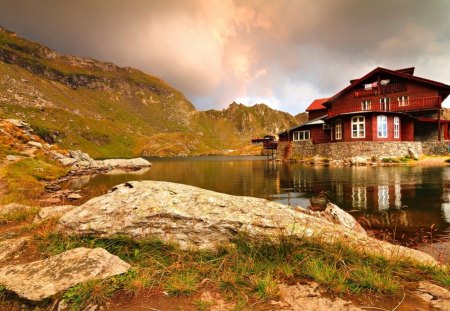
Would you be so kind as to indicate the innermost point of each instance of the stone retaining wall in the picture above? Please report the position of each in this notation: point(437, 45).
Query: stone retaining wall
point(338, 151)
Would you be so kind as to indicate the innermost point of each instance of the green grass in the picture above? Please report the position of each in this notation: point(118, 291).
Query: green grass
point(182, 283)
point(19, 215)
point(249, 269)
point(24, 179)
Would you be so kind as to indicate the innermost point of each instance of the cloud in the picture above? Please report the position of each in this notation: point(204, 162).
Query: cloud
point(283, 53)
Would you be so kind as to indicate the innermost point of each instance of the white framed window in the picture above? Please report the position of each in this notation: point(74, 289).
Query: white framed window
point(385, 103)
point(403, 101)
point(366, 105)
point(382, 126)
point(300, 135)
point(338, 129)
point(358, 127)
point(396, 127)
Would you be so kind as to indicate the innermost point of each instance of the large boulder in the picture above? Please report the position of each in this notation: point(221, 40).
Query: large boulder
point(358, 161)
point(198, 218)
point(127, 163)
point(44, 278)
point(82, 161)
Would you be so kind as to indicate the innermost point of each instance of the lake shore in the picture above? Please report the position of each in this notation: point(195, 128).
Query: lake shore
point(256, 274)
point(281, 264)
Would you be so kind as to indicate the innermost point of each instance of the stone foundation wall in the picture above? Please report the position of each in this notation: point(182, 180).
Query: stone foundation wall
point(338, 151)
point(435, 148)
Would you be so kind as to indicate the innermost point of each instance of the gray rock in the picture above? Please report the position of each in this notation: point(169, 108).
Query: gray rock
point(82, 161)
point(45, 278)
point(341, 217)
point(18, 123)
point(198, 218)
point(412, 153)
point(35, 144)
point(127, 163)
point(437, 296)
point(52, 212)
point(308, 297)
point(10, 157)
point(358, 161)
point(67, 161)
point(74, 196)
point(10, 248)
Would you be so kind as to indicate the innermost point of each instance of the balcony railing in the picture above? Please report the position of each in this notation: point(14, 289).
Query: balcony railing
point(384, 89)
point(417, 104)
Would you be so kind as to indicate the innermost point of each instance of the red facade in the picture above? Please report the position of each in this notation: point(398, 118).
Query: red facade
point(384, 105)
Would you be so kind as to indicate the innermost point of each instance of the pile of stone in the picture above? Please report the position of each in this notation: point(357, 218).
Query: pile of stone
point(81, 161)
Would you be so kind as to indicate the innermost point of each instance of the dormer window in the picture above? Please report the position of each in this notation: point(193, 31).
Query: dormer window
point(366, 105)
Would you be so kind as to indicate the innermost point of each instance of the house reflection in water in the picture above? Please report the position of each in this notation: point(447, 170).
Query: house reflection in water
point(405, 198)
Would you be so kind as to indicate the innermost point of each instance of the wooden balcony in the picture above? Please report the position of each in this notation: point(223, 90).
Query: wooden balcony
point(383, 89)
point(417, 104)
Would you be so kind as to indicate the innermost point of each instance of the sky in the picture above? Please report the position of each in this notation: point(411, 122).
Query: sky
point(284, 53)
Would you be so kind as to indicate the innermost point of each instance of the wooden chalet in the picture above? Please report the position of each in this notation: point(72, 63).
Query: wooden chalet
point(384, 105)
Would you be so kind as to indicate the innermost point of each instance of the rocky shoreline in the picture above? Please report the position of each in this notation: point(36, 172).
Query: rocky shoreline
point(192, 219)
point(188, 216)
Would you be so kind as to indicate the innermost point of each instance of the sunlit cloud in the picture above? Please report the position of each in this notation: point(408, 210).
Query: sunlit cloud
point(282, 53)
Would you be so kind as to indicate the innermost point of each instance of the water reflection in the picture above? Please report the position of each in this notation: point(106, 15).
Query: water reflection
point(407, 198)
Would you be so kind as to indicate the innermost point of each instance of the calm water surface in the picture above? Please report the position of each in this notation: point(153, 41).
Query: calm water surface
point(402, 199)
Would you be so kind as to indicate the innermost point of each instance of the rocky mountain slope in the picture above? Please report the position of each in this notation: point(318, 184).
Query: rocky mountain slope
point(109, 111)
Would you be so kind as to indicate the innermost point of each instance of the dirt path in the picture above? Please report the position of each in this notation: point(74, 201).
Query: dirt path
point(431, 161)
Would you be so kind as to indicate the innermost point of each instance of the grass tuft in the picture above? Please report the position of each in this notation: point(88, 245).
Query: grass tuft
point(182, 283)
point(265, 287)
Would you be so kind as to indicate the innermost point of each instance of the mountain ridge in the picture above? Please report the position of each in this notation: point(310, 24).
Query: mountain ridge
point(112, 111)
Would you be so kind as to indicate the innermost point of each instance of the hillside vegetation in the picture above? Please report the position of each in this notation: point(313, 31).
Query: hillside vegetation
point(109, 111)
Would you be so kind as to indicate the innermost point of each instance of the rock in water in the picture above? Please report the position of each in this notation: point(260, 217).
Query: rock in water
point(198, 218)
point(44, 278)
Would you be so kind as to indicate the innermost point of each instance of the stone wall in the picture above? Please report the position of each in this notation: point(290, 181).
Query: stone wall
point(435, 148)
point(337, 151)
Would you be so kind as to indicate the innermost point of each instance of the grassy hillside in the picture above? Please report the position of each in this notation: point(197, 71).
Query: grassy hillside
point(109, 111)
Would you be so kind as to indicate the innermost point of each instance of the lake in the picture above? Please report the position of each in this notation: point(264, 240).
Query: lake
point(408, 203)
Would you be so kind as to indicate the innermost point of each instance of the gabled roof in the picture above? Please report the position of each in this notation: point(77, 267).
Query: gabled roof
point(409, 71)
point(317, 104)
point(316, 121)
point(403, 73)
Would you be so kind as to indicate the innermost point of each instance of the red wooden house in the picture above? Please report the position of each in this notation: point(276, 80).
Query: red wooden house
point(384, 105)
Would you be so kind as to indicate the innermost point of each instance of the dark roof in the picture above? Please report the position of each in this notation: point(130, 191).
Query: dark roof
point(317, 104)
point(403, 73)
point(409, 71)
point(316, 121)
